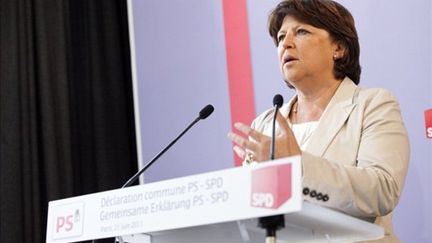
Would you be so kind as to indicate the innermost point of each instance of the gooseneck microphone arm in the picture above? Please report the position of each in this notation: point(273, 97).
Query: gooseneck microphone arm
point(277, 103)
point(273, 223)
point(203, 114)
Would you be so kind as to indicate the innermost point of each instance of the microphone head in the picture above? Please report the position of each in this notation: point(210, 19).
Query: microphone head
point(278, 100)
point(206, 112)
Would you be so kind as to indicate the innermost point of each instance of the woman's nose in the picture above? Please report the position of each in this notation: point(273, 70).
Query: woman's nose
point(287, 42)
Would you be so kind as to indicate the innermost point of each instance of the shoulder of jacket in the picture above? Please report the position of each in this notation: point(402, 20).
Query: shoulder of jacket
point(259, 122)
point(374, 94)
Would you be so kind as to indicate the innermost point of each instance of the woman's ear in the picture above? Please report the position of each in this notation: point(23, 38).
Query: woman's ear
point(339, 51)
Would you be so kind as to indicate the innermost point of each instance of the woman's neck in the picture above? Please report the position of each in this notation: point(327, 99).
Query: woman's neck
point(311, 103)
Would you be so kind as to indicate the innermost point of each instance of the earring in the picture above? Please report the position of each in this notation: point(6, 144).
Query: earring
point(335, 57)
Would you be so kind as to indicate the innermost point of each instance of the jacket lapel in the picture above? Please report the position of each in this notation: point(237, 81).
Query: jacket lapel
point(333, 118)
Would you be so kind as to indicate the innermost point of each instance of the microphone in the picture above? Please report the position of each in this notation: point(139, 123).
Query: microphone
point(206, 112)
point(277, 103)
point(273, 223)
point(203, 114)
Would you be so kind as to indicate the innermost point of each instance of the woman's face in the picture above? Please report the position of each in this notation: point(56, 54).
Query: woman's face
point(305, 52)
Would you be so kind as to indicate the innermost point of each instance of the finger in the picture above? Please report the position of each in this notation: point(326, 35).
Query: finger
point(248, 131)
point(240, 152)
point(242, 142)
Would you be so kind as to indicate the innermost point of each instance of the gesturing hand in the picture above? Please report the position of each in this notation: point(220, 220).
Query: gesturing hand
point(258, 147)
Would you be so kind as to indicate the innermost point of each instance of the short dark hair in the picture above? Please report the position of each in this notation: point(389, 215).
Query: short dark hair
point(330, 16)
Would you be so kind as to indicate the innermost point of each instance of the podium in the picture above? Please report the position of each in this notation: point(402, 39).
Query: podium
point(221, 206)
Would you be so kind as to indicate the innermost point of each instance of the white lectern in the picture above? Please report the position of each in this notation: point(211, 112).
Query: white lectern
point(221, 206)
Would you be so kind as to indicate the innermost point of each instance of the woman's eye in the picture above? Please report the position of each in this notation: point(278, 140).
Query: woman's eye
point(280, 38)
point(302, 31)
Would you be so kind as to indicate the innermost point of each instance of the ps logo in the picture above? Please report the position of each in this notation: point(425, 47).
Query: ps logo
point(64, 223)
point(428, 123)
point(68, 220)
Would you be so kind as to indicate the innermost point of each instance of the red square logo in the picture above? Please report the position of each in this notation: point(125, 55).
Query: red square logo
point(428, 123)
point(271, 186)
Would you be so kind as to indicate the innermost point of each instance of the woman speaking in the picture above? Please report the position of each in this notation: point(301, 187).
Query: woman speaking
point(352, 141)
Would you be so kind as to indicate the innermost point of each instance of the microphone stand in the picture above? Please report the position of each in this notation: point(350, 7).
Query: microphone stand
point(136, 176)
point(119, 239)
point(273, 223)
point(203, 114)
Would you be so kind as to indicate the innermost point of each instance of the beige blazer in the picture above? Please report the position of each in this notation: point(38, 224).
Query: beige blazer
point(357, 158)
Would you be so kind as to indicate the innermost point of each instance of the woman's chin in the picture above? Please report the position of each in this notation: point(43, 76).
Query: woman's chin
point(291, 77)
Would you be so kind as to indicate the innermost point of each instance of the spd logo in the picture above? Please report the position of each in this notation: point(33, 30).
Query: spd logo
point(271, 186)
point(68, 220)
point(428, 123)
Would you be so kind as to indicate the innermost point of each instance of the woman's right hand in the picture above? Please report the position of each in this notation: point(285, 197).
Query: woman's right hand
point(257, 148)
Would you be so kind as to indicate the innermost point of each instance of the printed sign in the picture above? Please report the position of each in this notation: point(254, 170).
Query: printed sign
point(68, 220)
point(428, 123)
point(271, 186)
point(179, 203)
